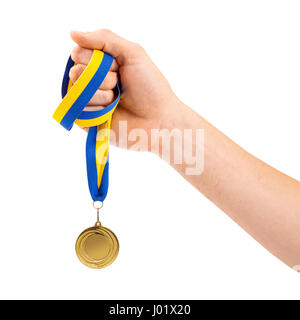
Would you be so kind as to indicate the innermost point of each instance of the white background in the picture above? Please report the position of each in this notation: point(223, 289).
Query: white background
point(235, 62)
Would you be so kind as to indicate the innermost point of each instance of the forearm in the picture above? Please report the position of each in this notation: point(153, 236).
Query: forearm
point(262, 200)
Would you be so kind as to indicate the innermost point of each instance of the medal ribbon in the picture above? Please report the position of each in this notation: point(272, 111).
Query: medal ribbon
point(75, 98)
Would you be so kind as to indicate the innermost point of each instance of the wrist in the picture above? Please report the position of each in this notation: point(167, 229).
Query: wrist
point(180, 139)
point(169, 129)
point(173, 114)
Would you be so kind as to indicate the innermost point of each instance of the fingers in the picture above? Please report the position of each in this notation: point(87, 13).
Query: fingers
point(105, 94)
point(122, 50)
point(109, 82)
point(102, 98)
point(83, 56)
point(93, 108)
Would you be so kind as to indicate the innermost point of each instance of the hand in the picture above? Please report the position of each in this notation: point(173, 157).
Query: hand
point(146, 99)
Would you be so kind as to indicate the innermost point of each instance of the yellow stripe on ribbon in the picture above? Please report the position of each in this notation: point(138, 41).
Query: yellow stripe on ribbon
point(75, 91)
point(95, 121)
point(102, 148)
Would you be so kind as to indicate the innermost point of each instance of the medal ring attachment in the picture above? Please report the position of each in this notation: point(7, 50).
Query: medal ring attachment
point(97, 205)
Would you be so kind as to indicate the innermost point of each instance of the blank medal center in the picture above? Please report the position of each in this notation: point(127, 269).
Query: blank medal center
point(97, 246)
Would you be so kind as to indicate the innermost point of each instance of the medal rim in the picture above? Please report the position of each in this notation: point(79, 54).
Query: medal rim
point(94, 263)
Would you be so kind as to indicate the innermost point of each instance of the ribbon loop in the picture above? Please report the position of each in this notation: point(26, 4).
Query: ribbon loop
point(70, 111)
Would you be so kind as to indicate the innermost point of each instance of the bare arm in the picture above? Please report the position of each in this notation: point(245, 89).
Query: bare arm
point(262, 200)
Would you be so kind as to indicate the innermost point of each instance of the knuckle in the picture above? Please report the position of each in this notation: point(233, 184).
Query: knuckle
point(107, 96)
point(72, 73)
point(104, 32)
point(138, 48)
point(110, 81)
point(75, 53)
point(114, 79)
point(110, 96)
point(75, 71)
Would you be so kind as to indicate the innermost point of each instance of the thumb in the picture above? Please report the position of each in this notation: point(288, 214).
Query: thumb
point(107, 41)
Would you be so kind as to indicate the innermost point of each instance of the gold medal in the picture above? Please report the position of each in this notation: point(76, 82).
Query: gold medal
point(97, 247)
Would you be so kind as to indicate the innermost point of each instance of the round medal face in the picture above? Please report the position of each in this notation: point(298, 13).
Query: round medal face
point(97, 247)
